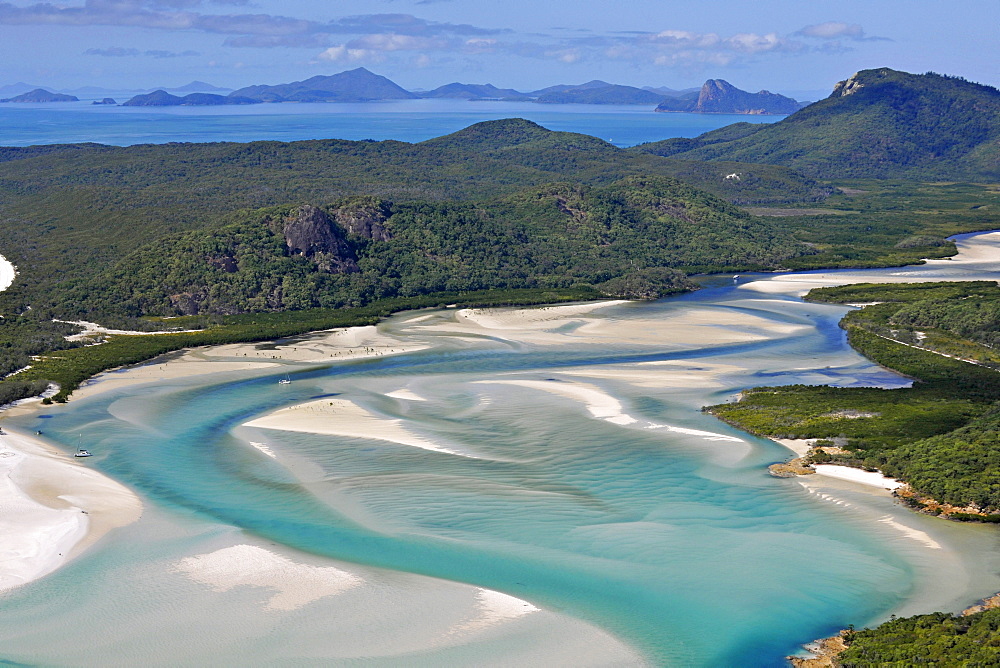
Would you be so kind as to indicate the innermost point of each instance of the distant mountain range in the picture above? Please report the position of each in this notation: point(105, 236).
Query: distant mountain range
point(361, 85)
point(20, 87)
point(879, 123)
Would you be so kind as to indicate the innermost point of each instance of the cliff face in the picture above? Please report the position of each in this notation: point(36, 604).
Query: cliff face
point(313, 234)
point(721, 97)
point(364, 217)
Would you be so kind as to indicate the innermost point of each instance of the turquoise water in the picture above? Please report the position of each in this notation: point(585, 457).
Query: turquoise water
point(676, 543)
point(409, 120)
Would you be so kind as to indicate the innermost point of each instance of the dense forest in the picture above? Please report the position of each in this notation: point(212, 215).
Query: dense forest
point(936, 639)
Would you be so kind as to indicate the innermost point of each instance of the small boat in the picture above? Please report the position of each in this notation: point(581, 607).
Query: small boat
point(736, 277)
point(83, 453)
point(285, 381)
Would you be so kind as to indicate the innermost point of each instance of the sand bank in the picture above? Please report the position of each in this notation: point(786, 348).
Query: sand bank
point(981, 249)
point(693, 325)
point(342, 417)
point(337, 345)
point(91, 329)
point(345, 613)
point(52, 508)
point(295, 585)
point(603, 406)
point(353, 343)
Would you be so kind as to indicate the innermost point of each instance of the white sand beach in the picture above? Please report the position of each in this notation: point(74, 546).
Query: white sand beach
point(982, 249)
point(7, 273)
point(874, 479)
point(52, 508)
point(869, 478)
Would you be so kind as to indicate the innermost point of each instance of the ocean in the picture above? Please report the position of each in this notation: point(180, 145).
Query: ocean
point(406, 120)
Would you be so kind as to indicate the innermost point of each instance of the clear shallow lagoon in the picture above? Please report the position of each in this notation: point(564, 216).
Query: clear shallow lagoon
point(408, 120)
point(582, 479)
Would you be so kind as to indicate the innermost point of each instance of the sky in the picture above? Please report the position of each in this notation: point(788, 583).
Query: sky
point(795, 47)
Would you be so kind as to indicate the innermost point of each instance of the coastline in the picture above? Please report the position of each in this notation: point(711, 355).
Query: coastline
point(52, 508)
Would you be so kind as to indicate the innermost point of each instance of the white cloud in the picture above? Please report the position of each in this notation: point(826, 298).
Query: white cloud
point(394, 42)
point(838, 30)
point(343, 54)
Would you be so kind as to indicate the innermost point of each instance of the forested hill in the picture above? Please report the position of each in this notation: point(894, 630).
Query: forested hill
point(632, 238)
point(880, 123)
point(80, 198)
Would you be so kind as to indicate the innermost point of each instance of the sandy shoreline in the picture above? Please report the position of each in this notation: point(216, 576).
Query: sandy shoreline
point(801, 446)
point(7, 273)
point(52, 508)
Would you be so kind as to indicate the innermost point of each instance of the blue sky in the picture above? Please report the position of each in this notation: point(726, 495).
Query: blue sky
point(781, 45)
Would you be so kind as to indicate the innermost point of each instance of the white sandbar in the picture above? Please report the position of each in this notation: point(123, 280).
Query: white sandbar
point(52, 508)
point(342, 417)
point(295, 585)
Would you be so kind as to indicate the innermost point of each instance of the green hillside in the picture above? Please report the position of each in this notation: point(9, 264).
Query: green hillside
point(880, 123)
point(357, 250)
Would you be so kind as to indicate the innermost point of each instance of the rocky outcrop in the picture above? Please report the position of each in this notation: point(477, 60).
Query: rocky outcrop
point(824, 652)
point(721, 97)
point(226, 263)
point(364, 217)
point(189, 303)
point(848, 86)
point(312, 233)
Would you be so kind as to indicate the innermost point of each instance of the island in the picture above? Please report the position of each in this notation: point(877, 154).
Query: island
point(41, 95)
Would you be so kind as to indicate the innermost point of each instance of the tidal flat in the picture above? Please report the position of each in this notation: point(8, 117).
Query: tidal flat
point(576, 507)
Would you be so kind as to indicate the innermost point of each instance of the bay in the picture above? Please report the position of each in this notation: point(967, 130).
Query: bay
point(555, 455)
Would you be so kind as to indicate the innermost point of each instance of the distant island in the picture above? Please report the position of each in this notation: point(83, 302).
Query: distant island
point(721, 97)
point(362, 85)
point(162, 98)
point(42, 95)
point(358, 85)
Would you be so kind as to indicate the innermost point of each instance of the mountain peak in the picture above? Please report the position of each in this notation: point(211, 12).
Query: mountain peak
point(718, 96)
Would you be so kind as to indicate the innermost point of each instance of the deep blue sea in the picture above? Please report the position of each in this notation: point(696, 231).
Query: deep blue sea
point(407, 120)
